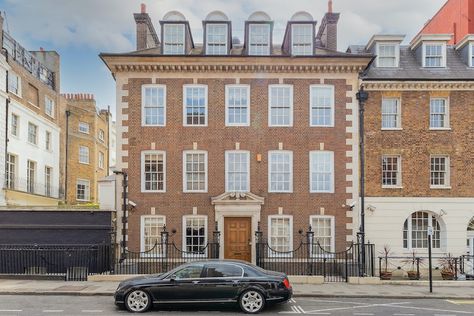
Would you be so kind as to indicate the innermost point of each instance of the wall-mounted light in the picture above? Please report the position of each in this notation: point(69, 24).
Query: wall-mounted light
point(259, 157)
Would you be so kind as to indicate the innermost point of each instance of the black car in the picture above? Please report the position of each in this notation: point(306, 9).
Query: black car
point(212, 281)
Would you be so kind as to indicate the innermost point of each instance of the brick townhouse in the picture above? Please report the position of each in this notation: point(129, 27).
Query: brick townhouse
point(419, 135)
point(238, 136)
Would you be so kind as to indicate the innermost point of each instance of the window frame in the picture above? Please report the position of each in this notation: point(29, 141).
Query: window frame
point(35, 143)
point(48, 185)
point(333, 235)
point(17, 125)
point(143, 107)
point(447, 125)
point(101, 160)
point(290, 153)
point(51, 102)
point(18, 80)
point(142, 170)
point(409, 232)
point(288, 253)
point(48, 140)
point(226, 169)
point(443, 54)
point(185, 152)
point(227, 106)
point(101, 135)
point(447, 184)
point(226, 39)
point(84, 131)
point(31, 176)
point(11, 171)
point(270, 101)
point(399, 172)
point(206, 105)
point(397, 54)
point(471, 54)
point(311, 25)
point(311, 106)
point(252, 45)
point(398, 114)
point(88, 155)
point(333, 172)
point(174, 44)
point(159, 254)
point(187, 253)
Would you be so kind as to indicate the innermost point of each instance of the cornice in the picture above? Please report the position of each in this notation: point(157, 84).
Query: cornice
point(418, 85)
point(246, 68)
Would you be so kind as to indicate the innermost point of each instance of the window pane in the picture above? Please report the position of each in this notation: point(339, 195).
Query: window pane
point(153, 100)
point(237, 164)
point(196, 105)
point(322, 228)
point(216, 39)
point(173, 42)
point(237, 103)
point(391, 113)
point(302, 39)
point(280, 235)
point(195, 172)
point(322, 171)
point(391, 174)
point(280, 106)
point(223, 271)
point(154, 172)
point(280, 171)
point(322, 106)
point(259, 39)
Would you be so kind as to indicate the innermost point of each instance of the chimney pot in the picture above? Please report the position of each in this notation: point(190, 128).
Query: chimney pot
point(143, 8)
point(330, 6)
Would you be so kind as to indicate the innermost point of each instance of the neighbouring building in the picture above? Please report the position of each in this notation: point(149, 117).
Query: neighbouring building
point(32, 147)
point(456, 18)
point(237, 137)
point(4, 68)
point(87, 147)
point(419, 133)
point(112, 147)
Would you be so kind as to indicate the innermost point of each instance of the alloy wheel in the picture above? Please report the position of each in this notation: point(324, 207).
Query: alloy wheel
point(252, 302)
point(138, 301)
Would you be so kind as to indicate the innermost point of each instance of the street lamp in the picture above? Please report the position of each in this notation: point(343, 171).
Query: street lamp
point(362, 96)
point(124, 211)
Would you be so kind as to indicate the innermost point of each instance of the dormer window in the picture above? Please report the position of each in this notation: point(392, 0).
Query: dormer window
point(465, 50)
point(216, 41)
point(173, 39)
point(259, 39)
point(302, 39)
point(471, 54)
point(388, 54)
point(434, 55)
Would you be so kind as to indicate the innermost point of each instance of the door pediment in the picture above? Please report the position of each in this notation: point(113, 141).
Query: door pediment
point(237, 198)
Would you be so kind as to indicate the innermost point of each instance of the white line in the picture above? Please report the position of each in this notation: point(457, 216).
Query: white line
point(355, 307)
point(10, 310)
point(342, 302)
point(444, 314)
point(434, 309)
point(319, 313)
point(53, 310)
point(363, 314)
point(301, 309)
point(92, 311)
point(398, 314)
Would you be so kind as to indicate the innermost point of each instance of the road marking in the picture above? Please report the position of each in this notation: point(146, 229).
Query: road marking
point(341, 302)
point(11, 310)
point(461, 302)
point(92, 311)
point(436, 310)
point(363, 314)
point(292, 300)
point(398, 314)
point(355, 307)
point(53, 310)
point(444, 314)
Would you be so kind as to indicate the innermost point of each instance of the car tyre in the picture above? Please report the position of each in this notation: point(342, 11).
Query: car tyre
point(252, 301)
point(138, 301)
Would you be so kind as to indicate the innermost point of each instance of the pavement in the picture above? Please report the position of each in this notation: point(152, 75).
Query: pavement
point(449, 290)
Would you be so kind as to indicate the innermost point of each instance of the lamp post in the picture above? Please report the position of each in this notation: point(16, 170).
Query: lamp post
point(124, 211)
point(362, 97)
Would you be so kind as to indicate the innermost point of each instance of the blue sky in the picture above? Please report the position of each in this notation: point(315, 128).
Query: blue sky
point(80, 29)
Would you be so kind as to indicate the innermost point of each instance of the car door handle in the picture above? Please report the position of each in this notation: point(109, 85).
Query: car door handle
point(195, 282)
point(235, 282)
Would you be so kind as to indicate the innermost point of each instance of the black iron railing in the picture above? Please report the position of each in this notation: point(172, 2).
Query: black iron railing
point(33, 187)
point(309, 258)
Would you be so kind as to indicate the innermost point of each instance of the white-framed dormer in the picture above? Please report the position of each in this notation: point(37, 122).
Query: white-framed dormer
point(465, 48)
point(432, 49)
point(387, 50)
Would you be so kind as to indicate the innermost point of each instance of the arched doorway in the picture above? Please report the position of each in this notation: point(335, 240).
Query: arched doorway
point(470, 247)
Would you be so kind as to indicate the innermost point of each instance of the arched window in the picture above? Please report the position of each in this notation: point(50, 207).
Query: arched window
point(415, 231)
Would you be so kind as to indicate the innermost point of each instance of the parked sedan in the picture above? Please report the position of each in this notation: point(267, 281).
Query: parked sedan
point(213, 281)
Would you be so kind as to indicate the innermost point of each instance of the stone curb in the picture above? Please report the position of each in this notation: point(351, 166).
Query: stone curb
point(302, 295)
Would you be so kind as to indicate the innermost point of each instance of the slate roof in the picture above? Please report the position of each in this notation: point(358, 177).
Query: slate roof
point(411, 69)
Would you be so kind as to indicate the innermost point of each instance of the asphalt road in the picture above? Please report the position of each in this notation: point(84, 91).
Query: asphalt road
point(23, 305)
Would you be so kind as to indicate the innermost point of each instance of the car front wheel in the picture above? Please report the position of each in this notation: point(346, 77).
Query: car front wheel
point(138, 301)
point(252, 302)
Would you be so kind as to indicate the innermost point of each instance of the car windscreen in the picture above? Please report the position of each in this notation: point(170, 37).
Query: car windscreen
point(222, 271)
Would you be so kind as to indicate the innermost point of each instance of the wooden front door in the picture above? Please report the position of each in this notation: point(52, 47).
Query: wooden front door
point(237, 238)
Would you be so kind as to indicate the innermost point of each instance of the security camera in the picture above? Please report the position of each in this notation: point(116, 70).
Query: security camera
point(353, 203)
point(131, 203)
point(371, 208)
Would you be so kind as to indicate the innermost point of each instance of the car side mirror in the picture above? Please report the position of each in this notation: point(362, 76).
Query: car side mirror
point(173, 278)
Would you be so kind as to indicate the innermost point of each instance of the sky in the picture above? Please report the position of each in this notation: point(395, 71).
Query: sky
point(81, 29)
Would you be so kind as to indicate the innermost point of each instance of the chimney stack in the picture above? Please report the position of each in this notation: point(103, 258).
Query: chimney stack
point(146, 34)
point(327, 33)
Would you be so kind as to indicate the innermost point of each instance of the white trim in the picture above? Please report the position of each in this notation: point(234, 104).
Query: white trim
point(205, 170)
point(84, 124)
point(399, 114)
point(243, 86)
point(447, 125)
point(333, 107)
point(19, 94)
point(158, 86)
point(88, 155)
point(184, 235)
point(430, 224)
point(397, 54)
point(142, 231)
point(88, 187)
point(226, 41)
point(142, 170)
point(333, 230)
point(269, 170)
point(399, 167)
point(182, 41)
point(471, 54)
point(290, 248)
point(443, 54)
point(447, 184)
point(227, 152)
point(311, 190)
point(53, 106)
point(206, 104)
point(312, 38)
point(268, 29)
point(270, 102)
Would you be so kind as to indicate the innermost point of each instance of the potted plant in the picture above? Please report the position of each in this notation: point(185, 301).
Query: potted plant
point(448, 267)
point(384, 273)
point(414, 261)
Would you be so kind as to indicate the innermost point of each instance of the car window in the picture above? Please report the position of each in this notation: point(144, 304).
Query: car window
point(189, 272)
point(223, 271)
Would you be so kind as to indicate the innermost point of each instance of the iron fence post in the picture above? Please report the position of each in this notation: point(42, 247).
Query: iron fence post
point(309, 252)
point(417, 268)
point(164, 248)
point(216, 234)
point(258, 250)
